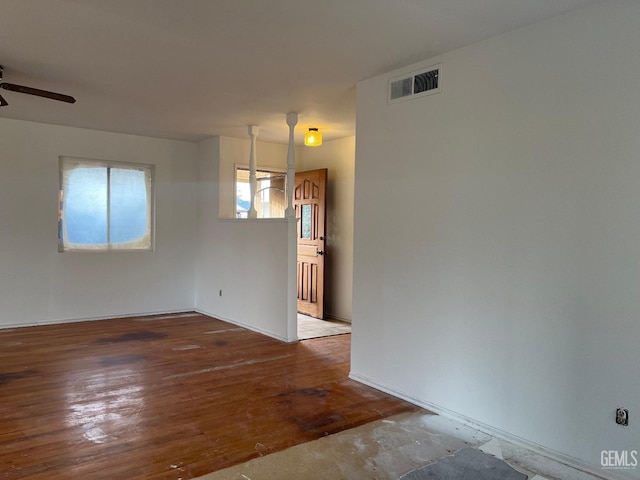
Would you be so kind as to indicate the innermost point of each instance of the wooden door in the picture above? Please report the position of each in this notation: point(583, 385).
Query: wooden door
point(309, 199)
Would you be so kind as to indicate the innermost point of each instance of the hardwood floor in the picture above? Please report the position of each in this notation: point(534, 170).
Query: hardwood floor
point(168, 397)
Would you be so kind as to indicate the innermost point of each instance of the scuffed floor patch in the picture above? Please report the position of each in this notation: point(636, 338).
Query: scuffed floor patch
point(389, 448)
point(467, 464)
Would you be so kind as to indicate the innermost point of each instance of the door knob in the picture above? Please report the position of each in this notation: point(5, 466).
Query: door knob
point(319, 252)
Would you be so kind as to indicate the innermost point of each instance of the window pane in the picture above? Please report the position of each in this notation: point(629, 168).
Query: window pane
point(269, 200)
point(104, 207)
point(306, 222)
point(129, 212)
point(85, 206)
point(243, 193)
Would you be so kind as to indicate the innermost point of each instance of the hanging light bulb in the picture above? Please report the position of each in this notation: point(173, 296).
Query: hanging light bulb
point(313, 138)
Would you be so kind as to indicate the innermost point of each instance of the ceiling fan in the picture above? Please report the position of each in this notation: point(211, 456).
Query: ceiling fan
point(31, 91)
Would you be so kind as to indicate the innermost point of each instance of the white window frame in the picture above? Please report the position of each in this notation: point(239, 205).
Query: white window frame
point(148, 244)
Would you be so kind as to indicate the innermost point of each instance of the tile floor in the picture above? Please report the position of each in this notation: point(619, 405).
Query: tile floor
point(309, 327)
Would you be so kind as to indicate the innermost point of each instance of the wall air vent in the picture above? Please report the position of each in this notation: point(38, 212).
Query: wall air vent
point(414, 85)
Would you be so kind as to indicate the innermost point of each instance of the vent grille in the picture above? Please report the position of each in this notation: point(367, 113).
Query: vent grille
point(401, 88)
point(414, 85)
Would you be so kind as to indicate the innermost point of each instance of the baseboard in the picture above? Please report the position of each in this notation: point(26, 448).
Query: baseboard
point(445, 412)
point(243, 325)
point(336, 317)
point(93, 319)
point(140, 314)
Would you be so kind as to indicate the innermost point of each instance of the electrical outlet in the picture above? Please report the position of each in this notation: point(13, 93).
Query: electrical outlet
point(622, 416)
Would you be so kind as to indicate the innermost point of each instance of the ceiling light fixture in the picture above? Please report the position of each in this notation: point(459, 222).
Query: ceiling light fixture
point(313, 138)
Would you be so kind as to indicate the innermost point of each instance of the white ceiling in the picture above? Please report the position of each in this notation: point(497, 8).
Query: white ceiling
point(189, 69)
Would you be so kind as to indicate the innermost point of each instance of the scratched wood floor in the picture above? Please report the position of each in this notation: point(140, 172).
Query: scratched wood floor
point(168, 397)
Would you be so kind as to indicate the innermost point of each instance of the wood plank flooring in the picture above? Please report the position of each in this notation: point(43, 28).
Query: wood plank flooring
point(168, 397)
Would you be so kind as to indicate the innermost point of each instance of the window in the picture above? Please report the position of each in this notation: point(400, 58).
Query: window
point(270, 193)
point(105, 205)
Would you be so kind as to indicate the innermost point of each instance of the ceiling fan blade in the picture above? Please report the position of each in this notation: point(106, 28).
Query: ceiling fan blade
point(36, 91)
point(3, 102)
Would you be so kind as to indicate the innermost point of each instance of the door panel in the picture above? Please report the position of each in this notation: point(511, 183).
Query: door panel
point(309, 199)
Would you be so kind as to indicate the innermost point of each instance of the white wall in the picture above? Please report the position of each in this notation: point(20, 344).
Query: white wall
point(246, 259)
point(497, 234)
point(338, 156)
point(38, 284)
